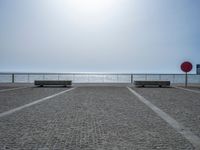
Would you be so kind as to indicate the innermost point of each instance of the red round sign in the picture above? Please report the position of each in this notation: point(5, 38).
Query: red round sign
point(186, 66)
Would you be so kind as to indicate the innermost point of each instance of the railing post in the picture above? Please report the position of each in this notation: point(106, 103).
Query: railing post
point(13, 78)
point(28, 78)
point(131, 78)
point(146, 77)
point(117, 78)
point(73, 77)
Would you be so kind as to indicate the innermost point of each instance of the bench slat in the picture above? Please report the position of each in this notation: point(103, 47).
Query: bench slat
point(53, 82)
point(159, 83)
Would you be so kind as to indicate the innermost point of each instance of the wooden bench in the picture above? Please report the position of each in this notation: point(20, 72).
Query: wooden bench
point(53, 82)
point(152, 83)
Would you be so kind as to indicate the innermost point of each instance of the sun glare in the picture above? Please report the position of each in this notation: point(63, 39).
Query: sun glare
point(91, 6)
point(90, 10)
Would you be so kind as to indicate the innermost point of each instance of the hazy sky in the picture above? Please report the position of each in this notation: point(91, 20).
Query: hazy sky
point(132, 36)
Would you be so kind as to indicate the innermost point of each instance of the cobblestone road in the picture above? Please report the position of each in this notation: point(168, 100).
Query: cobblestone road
point(89, 118)
point(184, 106)
point(16, 98)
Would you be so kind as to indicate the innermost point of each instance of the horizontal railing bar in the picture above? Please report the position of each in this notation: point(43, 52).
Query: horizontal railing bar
point(28, 73)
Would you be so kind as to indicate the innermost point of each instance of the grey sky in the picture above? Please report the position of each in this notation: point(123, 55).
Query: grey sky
point(138, 36)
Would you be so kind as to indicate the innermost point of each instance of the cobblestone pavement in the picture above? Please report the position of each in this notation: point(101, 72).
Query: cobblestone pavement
point(5, 87)
point(190, 86)
point(193, 88)
point(184, 106)
point(13, 85)
point(89, 118)
point(16, 98)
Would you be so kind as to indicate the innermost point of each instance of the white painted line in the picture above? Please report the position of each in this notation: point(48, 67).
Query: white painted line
point(189, 90)
point(194, 140)
point(12, 89)
point(33, 103)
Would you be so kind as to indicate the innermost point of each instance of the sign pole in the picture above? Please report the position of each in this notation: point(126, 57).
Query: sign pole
point(186, 79)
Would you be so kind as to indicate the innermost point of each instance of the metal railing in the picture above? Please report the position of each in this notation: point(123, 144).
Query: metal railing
point(95, 77)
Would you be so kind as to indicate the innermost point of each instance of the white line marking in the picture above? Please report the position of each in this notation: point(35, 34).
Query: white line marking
point(195, 140)
point(5, 90)
point(189, 90)
point(33, 103)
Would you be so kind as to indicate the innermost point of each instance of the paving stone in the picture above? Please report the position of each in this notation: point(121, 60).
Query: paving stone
point(16, 98)
point(184, 106)
point(90, 118)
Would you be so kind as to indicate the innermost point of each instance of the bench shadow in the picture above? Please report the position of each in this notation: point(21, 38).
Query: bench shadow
point(157, 87)
point(64, 87)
